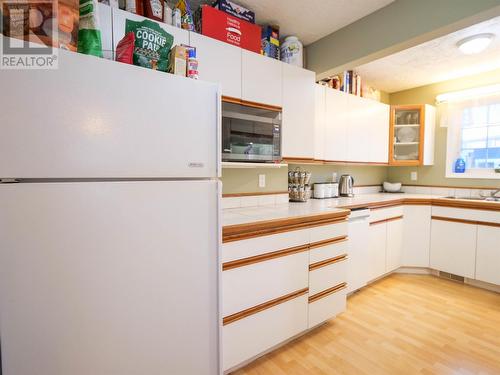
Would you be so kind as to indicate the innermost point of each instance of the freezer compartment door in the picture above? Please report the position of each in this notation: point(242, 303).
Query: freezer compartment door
point(109, 278)
point(94, 118)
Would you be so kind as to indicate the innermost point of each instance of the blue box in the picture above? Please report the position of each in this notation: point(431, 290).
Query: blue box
point(235, 10)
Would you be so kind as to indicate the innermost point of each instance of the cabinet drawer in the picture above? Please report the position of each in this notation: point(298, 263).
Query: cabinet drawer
point(327, 306)
point(328, 250)
point(250, 336)
point(385, 213)
point(327, 232)
point(467, 214)
point(324, 275)
point(260, 245)
point(249, 285)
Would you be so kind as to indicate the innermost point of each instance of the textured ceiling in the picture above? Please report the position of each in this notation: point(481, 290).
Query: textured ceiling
point(434, 61)
point(309, 20)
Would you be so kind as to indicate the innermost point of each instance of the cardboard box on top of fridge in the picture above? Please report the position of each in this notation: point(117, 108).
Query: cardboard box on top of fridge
point(227, 28)
point(178, 60)
point(235, 10)
point(50, 22)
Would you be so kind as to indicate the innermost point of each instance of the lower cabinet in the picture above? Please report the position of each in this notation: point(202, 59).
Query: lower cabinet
point(376, 251)
point(417, 236)
point(275, 287)
point(488, 254)
point(394, 245)
point(453, 247)
point(246, 338)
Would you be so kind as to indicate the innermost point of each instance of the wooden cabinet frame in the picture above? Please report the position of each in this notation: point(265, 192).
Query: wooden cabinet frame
point(392, 134)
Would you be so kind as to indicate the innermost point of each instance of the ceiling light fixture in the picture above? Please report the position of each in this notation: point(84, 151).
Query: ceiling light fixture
point(475, 43)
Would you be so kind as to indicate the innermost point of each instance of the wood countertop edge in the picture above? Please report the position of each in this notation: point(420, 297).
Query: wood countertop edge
point(259, 228)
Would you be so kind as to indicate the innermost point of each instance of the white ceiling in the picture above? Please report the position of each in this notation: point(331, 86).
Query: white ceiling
point(309, 20)
point(434, 61)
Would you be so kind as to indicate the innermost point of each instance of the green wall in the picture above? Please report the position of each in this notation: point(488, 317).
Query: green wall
point(400, 25)
point(435, 175)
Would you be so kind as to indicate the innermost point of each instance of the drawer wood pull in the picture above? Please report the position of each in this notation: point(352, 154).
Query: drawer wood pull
point(264, 257)
point(263, 306)
point(465, 221)
point(327, 262)
point(387, 220)
point(327, 292)
point(330, 241)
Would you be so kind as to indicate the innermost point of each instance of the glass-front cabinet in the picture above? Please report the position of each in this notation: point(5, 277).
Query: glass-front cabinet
point(408, 133)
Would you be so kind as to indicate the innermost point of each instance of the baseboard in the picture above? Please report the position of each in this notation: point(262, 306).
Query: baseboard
point(483, 285)
point(415, 270)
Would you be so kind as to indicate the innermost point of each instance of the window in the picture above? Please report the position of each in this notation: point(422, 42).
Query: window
point(480, 137)
point(473, 122)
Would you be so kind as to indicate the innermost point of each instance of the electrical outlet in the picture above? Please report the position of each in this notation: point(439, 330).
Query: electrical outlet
point(262, 180)
point(413, 176)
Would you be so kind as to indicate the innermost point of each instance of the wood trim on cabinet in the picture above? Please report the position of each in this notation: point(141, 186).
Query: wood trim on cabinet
point(229, 99)
point(236, 195)
point(330, 241)
point(387, 220)
point(239, 232)
point(465, 221)
point(327, 292)
point(420, 160)
point(327, 262)
point(263, 306)
point(387, 204)
point(264, 257)
point(470, 204)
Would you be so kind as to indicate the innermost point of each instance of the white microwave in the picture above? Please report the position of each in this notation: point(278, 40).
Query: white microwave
point(250, 134)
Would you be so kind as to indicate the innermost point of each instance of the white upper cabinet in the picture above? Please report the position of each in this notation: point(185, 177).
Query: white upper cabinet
point(356, 129)
point(181, 36)
point(261, 79)
point(336, 134)
point(298, 112)
point(319, 121)
point(218, 62)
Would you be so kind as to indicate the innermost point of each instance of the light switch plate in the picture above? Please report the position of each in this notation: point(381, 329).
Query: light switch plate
point(262, 180)
point(413, 176)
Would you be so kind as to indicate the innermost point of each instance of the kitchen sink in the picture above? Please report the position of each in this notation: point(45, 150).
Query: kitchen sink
point(484, 199)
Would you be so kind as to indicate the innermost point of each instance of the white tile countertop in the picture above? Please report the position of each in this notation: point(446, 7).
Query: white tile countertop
point(245, 215)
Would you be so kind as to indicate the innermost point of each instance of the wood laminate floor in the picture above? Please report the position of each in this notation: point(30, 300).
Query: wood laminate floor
point(403, 324)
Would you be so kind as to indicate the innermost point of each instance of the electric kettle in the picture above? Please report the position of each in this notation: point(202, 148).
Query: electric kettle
point(346, 185)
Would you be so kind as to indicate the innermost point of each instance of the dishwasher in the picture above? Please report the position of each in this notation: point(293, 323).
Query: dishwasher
point(358, 224)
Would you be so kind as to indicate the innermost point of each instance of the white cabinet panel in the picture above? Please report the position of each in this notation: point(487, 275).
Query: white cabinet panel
point(358, 126)
point(453, 247)
point(488, 254)
point(251, 285)
point(298, 112)
point(327, 277)
point(261, 79)
point(394, 244)
point(326, 308)
point(378, 118)
point(181, 36)
point(218, 62)
point(359, 243)
point(328, 232)
point(337, 117)
point(318, 254)
point(416, 236)
point(377, 250)
point(251, 336)
point(319, 121)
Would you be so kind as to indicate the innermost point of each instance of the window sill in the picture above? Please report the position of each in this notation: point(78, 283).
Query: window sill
point(486, 175)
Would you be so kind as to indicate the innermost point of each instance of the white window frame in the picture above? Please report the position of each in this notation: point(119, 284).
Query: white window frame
point(450, 107)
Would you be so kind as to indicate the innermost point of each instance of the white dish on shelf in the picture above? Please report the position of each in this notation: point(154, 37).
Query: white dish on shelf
point(406, 134)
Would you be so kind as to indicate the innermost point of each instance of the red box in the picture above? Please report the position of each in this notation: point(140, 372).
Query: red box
point(233, 30)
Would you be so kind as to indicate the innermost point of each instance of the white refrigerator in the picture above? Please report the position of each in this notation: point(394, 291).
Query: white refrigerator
point(109, 221)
